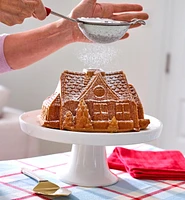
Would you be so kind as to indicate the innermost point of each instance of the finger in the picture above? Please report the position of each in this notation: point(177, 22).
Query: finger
point(26, 8)
point(125, 36)
point(8, 23)
point(89, 2)
point(40, 12)
point(88, 7)
point(118, 8)
point(28, 5)
point(130, 16)
point(11, 20)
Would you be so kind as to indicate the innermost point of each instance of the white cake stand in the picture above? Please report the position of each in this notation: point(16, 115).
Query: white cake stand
point(88, 165)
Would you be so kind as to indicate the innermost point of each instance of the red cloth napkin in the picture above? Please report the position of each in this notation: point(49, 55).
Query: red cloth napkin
point(161, 165)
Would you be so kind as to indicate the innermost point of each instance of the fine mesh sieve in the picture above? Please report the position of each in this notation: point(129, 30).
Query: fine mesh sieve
point(101, 30)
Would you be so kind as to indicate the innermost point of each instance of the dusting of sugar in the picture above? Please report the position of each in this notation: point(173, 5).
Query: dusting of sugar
point(99, 20)
point(97, 55)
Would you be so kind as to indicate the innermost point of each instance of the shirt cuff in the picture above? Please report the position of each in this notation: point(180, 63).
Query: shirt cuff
point(4, 67)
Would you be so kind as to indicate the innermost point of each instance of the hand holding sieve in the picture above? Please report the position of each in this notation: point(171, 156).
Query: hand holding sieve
point(100, 30)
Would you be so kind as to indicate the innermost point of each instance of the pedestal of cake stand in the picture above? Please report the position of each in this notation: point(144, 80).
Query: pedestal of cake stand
point(88, 165)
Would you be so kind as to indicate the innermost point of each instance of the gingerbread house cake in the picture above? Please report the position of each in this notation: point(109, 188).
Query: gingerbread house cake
point(93, 101)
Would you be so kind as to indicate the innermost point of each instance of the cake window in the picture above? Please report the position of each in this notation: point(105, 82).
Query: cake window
point(100, 111)
point(122, 111)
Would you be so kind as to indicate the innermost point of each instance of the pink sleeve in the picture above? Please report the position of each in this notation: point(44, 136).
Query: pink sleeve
point(4, 67)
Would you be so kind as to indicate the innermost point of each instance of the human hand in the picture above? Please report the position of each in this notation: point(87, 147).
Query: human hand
point(15, 11)
point(119, 11)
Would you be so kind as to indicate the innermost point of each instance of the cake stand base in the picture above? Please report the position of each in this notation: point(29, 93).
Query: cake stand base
point(88, 167)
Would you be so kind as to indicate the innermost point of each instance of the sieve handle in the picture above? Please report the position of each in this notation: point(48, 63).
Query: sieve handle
point(49, 11)
point(137, 21)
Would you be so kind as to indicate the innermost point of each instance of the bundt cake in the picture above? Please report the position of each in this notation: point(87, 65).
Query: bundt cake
point(93, 101)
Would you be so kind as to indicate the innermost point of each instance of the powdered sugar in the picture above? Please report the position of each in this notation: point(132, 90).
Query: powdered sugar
point(97, 55)
point(101, 21)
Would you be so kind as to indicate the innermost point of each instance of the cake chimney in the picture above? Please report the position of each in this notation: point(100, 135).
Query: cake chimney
point(90, 72)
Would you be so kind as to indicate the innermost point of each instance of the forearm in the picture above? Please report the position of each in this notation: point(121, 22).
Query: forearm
point(25, 48)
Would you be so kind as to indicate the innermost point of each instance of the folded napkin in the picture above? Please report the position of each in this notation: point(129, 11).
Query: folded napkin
point(161, 165)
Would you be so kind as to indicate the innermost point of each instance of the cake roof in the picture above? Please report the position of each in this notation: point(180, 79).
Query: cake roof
point(74, 85)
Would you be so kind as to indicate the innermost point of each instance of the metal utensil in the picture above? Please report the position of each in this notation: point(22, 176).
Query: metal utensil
point(100, 30)
point(44, 186)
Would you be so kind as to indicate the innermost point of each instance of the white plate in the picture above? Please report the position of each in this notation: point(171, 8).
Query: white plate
point(30, 125)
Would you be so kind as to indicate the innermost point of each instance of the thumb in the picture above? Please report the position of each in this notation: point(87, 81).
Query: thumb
point(40, 11)
point(90, 2)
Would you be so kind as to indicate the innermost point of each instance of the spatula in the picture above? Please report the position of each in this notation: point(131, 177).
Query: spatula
point(44, 186)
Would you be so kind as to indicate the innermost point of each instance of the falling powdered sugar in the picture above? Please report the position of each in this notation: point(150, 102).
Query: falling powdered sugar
point(97, 55)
